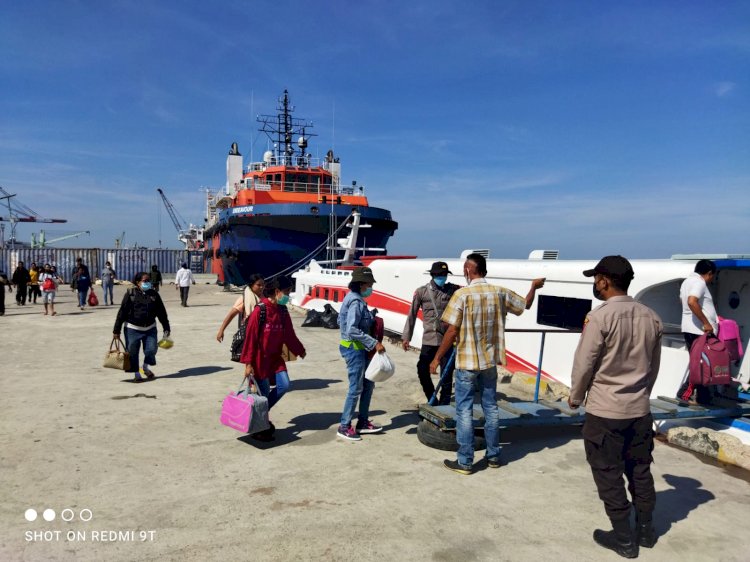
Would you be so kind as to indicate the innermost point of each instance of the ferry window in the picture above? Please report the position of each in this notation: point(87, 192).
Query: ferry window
point(335, 296)
point(562, 312)
point(325, 294)
point(734, 300)
point(277, 178)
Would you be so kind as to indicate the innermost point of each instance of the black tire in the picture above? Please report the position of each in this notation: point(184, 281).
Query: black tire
point(431, 435)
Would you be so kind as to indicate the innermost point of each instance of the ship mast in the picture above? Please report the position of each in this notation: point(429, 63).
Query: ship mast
point(281, 130)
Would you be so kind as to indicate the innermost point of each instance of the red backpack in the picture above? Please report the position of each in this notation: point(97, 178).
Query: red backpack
point(709, 361)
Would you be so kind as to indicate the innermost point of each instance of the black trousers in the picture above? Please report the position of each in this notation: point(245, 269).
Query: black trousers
point(184, 295)
point(426, 355)
point(3, 288)
point(20, 294)
point(34, 292)
point(621, 447)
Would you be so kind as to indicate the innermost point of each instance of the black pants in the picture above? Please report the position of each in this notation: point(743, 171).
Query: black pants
point(426, 355)
point(617, 447)
point(702, 393)
point(184, 295)
point(34, 292)
point(20, 294)
point(3, 288)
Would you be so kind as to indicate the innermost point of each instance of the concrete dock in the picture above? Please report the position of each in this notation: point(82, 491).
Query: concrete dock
point(146, 472)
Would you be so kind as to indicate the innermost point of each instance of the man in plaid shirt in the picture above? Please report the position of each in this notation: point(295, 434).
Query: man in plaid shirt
point(476, 318)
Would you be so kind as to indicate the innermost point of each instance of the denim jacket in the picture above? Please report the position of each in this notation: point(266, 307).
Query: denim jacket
point(355, 320)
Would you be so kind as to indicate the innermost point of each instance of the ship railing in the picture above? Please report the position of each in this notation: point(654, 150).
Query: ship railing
point(312, 188)
point(295, 160)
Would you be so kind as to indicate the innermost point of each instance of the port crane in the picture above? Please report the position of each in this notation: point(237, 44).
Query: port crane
point(17, 212)
point(42, 241)
point(191, 236)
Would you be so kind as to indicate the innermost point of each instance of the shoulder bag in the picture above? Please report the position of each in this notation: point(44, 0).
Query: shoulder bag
point(117, 357)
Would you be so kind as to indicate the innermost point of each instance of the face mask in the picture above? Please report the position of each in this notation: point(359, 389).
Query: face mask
point(597, 293)
point(440, 281)
point(146, 286)
point(282, 300)
point(366, 293)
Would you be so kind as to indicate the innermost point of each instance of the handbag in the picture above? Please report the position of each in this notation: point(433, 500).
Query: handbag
point(48, 285)
point(93, 301)
point(238, 341)
point(287, 355)
point(245, 411)
point(380, 369)
point(117, 357)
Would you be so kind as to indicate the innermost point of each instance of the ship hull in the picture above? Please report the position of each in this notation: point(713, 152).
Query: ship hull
point(279, 239)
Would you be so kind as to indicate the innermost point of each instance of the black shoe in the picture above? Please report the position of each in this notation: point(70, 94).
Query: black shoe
point(624, 545)
point(454, 466)
point(495, 463)
point(646, 534)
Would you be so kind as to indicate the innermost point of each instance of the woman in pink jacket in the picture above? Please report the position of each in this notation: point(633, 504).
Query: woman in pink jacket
point(268, 330)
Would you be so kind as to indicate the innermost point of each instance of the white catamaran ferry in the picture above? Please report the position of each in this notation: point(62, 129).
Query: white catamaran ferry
point(561, 305)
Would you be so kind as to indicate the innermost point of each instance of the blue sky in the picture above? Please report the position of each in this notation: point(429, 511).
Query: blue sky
point(588, 127)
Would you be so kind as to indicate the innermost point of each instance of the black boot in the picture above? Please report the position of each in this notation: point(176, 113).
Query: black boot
point(620, 539)
point(645, 530)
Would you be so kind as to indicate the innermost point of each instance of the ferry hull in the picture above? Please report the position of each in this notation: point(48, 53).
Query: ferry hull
point(275, 241)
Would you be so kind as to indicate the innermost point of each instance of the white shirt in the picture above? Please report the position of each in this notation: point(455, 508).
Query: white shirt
point(695, 286)
point(183, 278)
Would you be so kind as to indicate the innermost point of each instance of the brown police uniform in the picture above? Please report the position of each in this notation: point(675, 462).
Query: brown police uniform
point(615, 368)
point(432, 336)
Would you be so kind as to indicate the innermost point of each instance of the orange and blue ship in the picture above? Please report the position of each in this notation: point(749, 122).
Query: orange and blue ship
point(276, 215)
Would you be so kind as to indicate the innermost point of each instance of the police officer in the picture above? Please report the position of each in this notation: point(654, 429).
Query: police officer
point(614, 370)
point(432, 299)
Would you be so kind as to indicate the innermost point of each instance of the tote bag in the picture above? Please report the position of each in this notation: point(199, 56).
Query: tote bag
point(117, 357)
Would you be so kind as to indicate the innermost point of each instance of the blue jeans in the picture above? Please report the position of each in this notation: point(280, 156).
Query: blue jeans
point(109, 289)
point(275, 394)
point(133, 341)
point(82, 295)
point(465, 387)
point(360, 389)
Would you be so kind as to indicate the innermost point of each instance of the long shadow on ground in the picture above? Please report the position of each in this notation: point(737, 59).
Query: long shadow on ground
point(313, 384)
point(675, 504)
point(195, 372)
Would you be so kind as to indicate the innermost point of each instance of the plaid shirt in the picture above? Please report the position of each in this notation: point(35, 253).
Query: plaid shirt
point(478, 311)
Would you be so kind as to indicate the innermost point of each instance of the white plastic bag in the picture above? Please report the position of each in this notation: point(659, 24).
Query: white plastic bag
point(381, 368)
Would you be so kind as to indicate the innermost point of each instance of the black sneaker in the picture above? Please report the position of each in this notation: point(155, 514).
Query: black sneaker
point(454, 466)
point(624, 545)
point(495, 463)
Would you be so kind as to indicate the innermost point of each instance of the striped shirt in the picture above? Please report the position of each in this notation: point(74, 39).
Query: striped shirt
point(478, 311)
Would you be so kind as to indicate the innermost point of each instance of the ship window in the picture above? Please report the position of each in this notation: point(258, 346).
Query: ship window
point(562, 312)
point(336, 296)
point(325, 294)
point(277, 178)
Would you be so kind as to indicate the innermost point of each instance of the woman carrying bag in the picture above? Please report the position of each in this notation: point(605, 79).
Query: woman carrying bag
point(355, 321)
point(139, 310)
point(268, 330)
point(245, 304)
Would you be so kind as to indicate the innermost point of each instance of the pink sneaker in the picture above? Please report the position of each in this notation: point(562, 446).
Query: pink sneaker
point(348, 433)
point(369, 427)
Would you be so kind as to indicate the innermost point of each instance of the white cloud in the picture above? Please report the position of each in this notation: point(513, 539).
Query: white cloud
point(723, 89)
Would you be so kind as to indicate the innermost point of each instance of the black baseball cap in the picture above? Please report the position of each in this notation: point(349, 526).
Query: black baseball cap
point(439, 268)
point(615, 267)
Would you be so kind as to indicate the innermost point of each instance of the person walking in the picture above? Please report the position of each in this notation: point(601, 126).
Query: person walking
point(82, 281)
point(139, 310)
point(476, 317)
point(4, 281)
point(698, 317)
point(49, 281)
point(614, 370)
point(108, 277)
point(156, 279)
point(244, 305)
point(432, 298)
point(182, 281)
point(268, 329)
point(355, 322)
point(21, 279)
point(34, 291)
